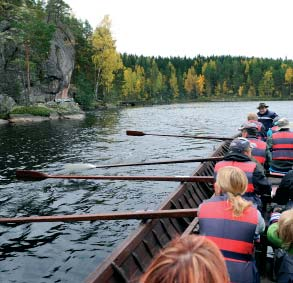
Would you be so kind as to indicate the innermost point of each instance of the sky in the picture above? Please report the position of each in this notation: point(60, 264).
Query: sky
point(250, 28)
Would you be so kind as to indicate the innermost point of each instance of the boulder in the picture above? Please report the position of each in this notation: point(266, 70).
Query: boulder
point(6, 103)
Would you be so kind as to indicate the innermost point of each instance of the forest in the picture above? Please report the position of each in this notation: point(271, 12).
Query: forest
point(103, 75)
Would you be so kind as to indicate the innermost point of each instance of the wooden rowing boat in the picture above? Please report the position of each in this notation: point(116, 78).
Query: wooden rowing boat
point(130, 260)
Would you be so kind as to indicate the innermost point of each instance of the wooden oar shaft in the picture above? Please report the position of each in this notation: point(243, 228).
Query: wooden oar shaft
point(139, 134)
point(162, 162)
point(37, 176)
point(172, 213)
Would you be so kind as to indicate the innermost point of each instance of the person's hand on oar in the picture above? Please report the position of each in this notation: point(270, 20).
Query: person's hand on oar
point(140, 134)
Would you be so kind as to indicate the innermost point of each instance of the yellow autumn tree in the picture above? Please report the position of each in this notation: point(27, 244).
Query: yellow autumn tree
point(128, 86)
point(190, 81)
point(200, 85)
point(106, 59)
point(289, 78)
point(173, 82)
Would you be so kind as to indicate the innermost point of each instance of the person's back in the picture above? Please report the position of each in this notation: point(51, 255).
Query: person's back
point(261, 130)
point(232, 223)
point(281, 146)
point(259, 151)
point(239, 155)
point(189, 259)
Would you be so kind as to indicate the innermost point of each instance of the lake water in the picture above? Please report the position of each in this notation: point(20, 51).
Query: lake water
point(68, 252)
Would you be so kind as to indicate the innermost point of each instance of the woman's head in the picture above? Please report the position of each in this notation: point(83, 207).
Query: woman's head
point(232, 180)
point(285, 229)
point(190, 259)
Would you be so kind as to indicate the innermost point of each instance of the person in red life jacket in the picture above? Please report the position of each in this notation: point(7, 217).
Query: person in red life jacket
point(232, 222)
point(260, 149)
point(266, 116)
point(284, 192)
point(261, 130)
point(189, 259)
point(281, 147)
point(239, 155)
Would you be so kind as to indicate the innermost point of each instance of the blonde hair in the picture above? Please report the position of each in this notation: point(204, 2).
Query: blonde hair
point(252, 116)
point(190, 259)
point(233, 181)
point(285, 229)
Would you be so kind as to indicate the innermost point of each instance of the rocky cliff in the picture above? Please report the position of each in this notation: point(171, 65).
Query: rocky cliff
point(49, 81)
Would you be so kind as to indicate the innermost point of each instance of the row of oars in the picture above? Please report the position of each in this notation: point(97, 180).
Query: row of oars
point(30, 175)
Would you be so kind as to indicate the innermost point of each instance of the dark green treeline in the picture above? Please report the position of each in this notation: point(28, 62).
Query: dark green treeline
point(141, 79)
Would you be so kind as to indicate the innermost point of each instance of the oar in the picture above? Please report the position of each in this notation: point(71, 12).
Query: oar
point(139, 134)
point(38, 176)
point(172, 213)
point(90, 166)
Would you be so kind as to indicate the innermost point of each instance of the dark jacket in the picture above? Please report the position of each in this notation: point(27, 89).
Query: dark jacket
point(267, 118)
point(260, 182)
point(284, 192)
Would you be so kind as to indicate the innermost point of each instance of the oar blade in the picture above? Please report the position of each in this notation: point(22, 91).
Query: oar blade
point(135, 133)
point(28, 175)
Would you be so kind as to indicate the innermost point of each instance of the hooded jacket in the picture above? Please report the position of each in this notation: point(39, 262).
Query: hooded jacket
point(260, 182)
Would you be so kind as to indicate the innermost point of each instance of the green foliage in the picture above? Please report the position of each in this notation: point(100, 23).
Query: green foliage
point(32, 110)
point(85, 96)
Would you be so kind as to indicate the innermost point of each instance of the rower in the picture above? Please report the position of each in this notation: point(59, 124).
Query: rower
point(280, 234)
point(281, 147)
point(260, 150)
point(261, 130)
point(239, 155)
point(232, 222)
point(265, 115)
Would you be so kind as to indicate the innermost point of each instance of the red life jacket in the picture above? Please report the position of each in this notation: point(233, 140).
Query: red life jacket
point(247, 166)
point(282, 148)
point(233, 235)
point(259, 152)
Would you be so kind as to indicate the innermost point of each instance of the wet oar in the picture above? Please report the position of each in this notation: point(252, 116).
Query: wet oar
point(139, 134)
point(172, 213)
point(38, 176)
point(90, 166)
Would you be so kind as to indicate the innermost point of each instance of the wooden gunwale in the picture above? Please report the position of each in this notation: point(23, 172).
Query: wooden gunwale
point(131, 258)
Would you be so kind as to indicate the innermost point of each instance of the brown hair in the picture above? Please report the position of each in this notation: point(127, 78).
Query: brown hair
point(285, 229)
point(190, 259)
point(233, 181)
point(252, 116)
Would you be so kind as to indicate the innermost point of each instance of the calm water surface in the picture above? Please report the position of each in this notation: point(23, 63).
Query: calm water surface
point(68, 252)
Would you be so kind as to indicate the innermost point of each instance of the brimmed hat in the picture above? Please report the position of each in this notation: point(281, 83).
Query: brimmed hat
point(262, 105)
point(283, 123)
point(247, 125)
point(240, 145)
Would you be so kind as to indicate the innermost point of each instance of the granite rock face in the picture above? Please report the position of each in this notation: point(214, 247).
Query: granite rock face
point(56, 71)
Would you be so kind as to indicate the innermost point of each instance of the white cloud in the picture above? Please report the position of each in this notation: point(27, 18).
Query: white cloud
point(256, 28)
